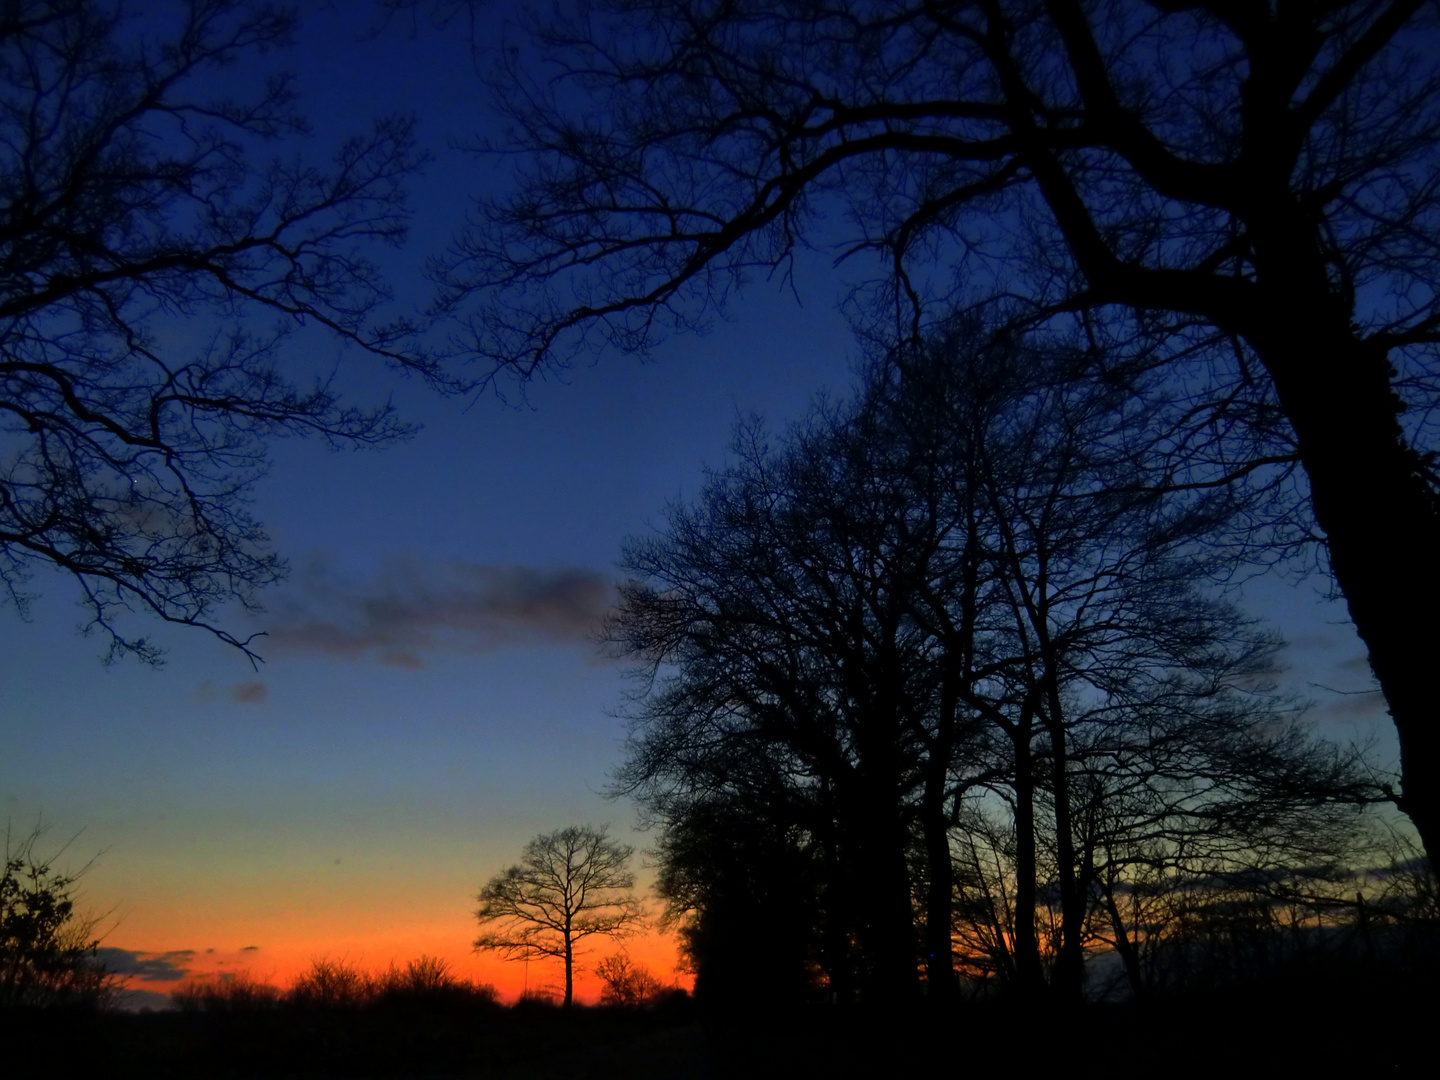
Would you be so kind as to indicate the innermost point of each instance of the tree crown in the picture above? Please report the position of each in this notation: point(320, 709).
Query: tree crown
point(570, 884)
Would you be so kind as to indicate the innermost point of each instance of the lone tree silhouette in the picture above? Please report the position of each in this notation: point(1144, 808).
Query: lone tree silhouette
point(569, 885)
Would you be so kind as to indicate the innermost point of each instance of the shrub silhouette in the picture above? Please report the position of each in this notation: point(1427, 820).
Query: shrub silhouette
point(428, 980)
point(237, 991)
point(336, 985)
point(47, 947)
point(332, 983)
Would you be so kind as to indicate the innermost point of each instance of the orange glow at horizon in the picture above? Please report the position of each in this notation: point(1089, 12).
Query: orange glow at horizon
point(372, 950)
point(273, 912)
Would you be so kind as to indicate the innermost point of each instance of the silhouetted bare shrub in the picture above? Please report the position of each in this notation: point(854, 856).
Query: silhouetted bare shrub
point(237, 991)
point(428, 979)
point(535, 1000)
point(626, 982)
point(332, 983)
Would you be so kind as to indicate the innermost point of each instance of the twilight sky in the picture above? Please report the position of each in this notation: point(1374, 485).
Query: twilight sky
point(431, 698)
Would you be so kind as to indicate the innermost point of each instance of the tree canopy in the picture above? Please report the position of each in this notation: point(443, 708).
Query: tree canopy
point(1244, 194)
point(941, 626)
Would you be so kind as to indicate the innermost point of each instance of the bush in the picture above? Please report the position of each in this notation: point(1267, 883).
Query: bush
point(332, 984)
point(232, 992)
point(537, 1001)
point(47, 949)
point(428, 979)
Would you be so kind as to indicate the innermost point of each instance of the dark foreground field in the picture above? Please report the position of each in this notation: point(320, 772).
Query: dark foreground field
point(1278, 1030)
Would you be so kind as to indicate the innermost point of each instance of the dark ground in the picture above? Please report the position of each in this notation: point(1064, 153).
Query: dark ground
point(1274, 1031)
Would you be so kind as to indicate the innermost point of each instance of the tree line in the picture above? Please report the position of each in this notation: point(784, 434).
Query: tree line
point(941, 681)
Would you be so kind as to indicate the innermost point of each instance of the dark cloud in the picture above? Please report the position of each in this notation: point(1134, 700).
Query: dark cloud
point(251, 948)
point(250, 693)
point(412, 606)
point(148, 966)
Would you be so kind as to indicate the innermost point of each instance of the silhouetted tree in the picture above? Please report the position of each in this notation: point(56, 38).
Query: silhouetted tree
point(1240, 192)
point(570, 885)
point(134, 207)
point(330, 983)
point(746, 889)
point(626, 982)
point(47, 948)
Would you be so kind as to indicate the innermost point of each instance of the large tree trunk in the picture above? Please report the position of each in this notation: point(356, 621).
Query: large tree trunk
point(1029, 973)
point(836, 939)
point(887, 919)
point(569, 971)
point(1369, 492)
point(1383, 535)
point(940, 888)
point(1068, 982)
point(935, 827)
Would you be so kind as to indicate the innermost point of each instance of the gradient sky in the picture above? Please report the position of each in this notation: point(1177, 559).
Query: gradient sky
point(431, 698)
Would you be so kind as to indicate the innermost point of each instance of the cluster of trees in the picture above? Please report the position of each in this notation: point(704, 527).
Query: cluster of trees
point(945, 660)
point(948, 651)
point(627, 983)
point(428, 981)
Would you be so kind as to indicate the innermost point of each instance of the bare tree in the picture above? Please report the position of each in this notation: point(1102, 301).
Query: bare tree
point(952, 594)
point(626, 982)
point(570, 885)
point(775, 609)
point(1243, 193)
point(135, 207)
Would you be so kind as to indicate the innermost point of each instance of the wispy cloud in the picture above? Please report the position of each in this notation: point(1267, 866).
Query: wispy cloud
point(412, 607)
point(250, 693)
point(245, 693)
